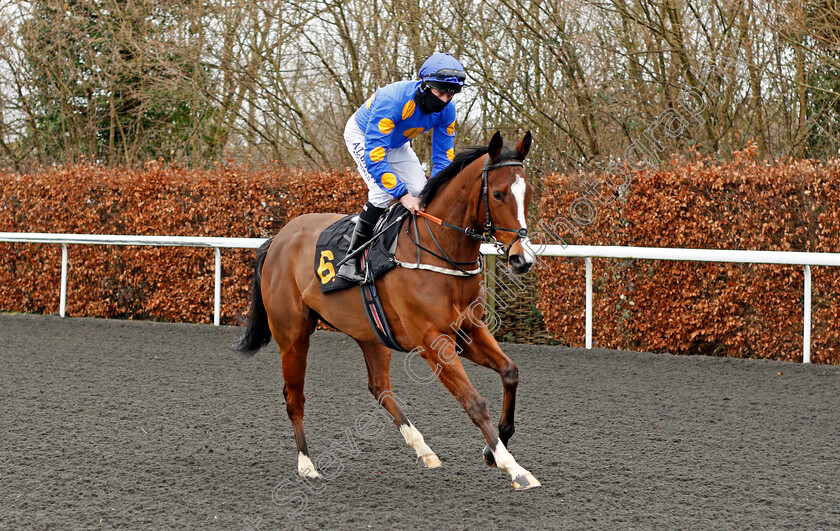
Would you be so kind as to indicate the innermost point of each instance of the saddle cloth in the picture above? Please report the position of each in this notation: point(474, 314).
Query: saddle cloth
point(334, 242)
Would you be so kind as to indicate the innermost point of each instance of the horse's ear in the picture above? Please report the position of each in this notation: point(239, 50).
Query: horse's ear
point(525, 146)
point(496, 144)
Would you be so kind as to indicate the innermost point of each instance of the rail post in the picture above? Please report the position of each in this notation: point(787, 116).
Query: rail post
point(490, 280)
point(588, 302)
point(62, 304)
point(217, 298)
point(806, 332)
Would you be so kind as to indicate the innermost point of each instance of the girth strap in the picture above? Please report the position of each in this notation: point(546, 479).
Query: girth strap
point(376, 317)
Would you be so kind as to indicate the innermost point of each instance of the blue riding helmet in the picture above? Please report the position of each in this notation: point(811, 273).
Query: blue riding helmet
point(443, 72)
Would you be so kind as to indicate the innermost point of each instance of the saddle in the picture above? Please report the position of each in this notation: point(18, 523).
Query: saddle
point(376, 260)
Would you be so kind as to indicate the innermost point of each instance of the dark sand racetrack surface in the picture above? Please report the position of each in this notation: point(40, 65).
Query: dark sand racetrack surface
point(119, 424)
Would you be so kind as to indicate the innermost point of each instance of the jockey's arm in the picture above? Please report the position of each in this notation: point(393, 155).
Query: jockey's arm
point(383, 118)
point(443, 140)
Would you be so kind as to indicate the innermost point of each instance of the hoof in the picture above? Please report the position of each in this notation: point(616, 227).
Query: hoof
point(309, 473)
point(428, 461)
point(525, 481)
point(488, 456)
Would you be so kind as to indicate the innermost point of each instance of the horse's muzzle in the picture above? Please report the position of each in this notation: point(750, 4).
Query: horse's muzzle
point(518, 264)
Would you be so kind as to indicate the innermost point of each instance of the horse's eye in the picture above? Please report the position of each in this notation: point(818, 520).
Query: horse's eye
point(498, 195)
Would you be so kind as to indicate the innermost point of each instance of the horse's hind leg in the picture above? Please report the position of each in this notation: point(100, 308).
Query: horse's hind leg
point(293, 340)
point(378, 361)
point(294, 370)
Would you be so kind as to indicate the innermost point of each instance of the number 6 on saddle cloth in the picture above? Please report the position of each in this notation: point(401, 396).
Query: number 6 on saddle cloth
point(377, 259)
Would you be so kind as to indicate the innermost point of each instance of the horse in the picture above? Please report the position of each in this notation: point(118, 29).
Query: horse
point(484, 196)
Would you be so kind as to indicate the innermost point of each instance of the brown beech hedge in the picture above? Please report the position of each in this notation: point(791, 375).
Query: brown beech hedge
point(173, 284)
point(689, 307)
point(679, 307)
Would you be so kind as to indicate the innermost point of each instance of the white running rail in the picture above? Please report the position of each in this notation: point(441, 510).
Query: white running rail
point(154, 241)
point(582, 251)
point(692, 255)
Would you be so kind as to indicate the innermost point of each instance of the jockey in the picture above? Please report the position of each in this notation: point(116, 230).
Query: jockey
point(378, 136)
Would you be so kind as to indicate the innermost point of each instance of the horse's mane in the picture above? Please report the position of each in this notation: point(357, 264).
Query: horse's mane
point(461, 160)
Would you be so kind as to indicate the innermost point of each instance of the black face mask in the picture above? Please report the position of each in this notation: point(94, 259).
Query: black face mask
point(428, 102)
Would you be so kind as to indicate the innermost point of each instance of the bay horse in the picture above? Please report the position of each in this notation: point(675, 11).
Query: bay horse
point(484, 195)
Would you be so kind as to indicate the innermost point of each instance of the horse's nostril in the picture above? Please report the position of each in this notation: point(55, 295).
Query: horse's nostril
point(518, 264)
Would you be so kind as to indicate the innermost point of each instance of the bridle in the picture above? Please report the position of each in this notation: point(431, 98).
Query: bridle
point(490, 228)
point(487, 233)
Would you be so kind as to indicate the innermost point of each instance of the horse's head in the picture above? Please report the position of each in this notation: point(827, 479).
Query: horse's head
point(504, 200)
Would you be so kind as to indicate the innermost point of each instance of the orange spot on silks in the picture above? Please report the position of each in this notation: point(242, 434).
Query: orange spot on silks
point(377, 154)
point(413, 132)
point(408, 109)
point(386, 125)
point(389, 180)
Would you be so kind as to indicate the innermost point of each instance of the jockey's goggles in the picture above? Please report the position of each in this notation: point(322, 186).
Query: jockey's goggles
point(449, 88)
point(445, 74)
point(448, 75)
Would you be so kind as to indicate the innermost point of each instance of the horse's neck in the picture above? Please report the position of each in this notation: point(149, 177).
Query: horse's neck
point(456, 203)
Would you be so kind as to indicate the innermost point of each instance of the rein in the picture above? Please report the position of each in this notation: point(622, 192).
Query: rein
point(486, 235)
point(458, 271)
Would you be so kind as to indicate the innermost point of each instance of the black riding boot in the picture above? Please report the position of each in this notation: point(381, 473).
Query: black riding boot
point(361, 235)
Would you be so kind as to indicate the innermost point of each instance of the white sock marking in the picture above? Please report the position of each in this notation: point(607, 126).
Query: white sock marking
point(306, 468)
point(506, 462)
point(414, 439)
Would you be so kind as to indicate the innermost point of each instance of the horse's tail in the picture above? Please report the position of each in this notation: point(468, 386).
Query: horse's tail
point(257, 334)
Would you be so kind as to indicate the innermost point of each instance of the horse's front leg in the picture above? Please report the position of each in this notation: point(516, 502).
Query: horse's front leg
point(439, 350)
point(482, 348)
point(378, 361)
